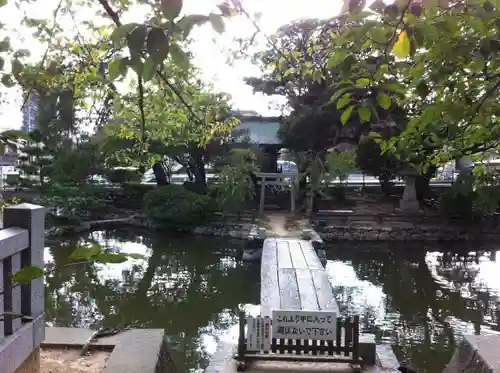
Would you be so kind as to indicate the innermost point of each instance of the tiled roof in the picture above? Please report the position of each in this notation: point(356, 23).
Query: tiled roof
point(260, 130)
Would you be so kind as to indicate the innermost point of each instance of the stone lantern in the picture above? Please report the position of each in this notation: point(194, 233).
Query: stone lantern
point(409, 201)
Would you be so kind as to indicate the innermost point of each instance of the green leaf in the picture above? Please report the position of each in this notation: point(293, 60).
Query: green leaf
point(187, 23)
point(7, 81)
point(365, 114)
point(149, 69)
point(344, 118)
point(3, 3)
point(120, 32)
point(171, 8)
point(136, 40)
point(135, 256)
point(115, 68)
point(422, 89)
point(85, 253)
point(362, 83)
point(394, 87)
point(217, 22)
point(337, 94)
point(384, 100)
point(209, 117)
point(17, 66)
point(336, 58)
point(5, 44)
point(27, 274)
point(137, 66)
point(109, 257)
point(157, 45)
point(179, 57)
point(343, 101)
point(317, 76)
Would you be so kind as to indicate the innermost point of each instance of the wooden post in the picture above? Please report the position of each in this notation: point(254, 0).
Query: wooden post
point(292, 195)
point(241, 343)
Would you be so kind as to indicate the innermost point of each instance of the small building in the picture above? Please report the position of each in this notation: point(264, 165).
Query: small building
point(261, 131)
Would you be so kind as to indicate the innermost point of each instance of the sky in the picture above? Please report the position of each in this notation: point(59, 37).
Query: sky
point(210, 49)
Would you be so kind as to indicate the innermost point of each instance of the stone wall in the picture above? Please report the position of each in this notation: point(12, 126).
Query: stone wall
point(31, 364)
point(245, 231)
point(424, 234)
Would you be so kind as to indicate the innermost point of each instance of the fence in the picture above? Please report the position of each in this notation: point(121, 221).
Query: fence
point(268, 343)
point(22, 244)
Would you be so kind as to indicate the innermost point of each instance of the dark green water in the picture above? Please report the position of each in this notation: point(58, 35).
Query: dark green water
point(416, 298)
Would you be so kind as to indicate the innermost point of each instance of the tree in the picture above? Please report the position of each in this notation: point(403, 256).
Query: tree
point(154, 52)
point(371, 160)
point(297, 65)
point(442, 62)
point(173, 131)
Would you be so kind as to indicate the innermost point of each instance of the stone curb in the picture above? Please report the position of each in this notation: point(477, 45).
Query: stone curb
point(330, 232)
point(248, 232)
point(222, 360)
point(386, 358)
point(222, 357)
point(132, 351)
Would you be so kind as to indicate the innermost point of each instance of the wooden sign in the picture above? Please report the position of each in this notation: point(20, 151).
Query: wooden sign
point(258, 333)
point(313, 325)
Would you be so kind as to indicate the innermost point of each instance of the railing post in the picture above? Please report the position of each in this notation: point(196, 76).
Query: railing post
point(32, 296)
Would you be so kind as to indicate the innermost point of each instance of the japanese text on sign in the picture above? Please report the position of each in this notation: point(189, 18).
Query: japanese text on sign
point(258, 338)
point(317, 325)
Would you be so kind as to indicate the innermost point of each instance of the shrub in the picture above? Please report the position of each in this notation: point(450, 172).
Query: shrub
point(135, 188)
point(371, 160)
point(174, 206)
point(194, 187)
point(472, 195)
point(122, 175)
point(339, 165)
point(71, 201)
point(234, 188)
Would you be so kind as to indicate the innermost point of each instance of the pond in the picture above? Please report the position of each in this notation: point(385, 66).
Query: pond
point(420, 300)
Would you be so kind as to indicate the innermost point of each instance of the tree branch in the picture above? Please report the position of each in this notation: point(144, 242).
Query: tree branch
point(44, 57)
point(116, 19)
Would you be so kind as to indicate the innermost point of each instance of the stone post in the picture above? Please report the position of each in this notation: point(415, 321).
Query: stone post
point(409, 201)
point(24, 356)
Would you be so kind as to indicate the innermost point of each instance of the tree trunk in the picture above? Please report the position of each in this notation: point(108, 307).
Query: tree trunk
point(422, 183)
point(197, 167)
point(160, 174)
point(386, 184)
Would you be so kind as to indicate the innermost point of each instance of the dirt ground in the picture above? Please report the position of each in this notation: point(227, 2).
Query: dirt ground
point(70, 361)
point(284, 225)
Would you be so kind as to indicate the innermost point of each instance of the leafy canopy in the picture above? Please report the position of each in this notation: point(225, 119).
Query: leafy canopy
point(437, 61)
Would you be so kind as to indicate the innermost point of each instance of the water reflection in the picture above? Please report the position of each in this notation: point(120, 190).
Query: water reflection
point(422, 302)
point(189, 286)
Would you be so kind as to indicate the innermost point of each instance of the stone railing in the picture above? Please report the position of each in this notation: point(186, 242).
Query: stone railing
point(21, 245)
